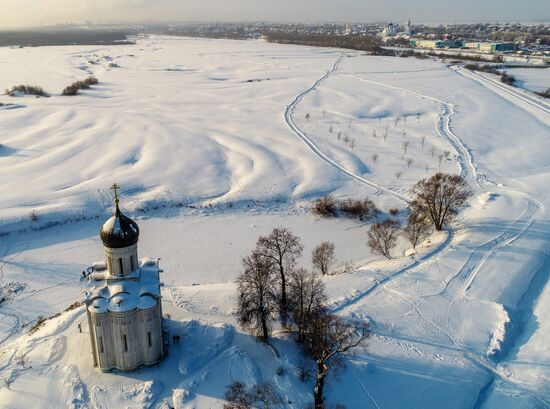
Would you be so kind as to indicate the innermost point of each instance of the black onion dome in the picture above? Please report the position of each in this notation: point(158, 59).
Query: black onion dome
point(119, 231)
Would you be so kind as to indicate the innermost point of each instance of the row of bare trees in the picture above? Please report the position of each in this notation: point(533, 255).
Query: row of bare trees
point(272, 286)
point(437, 200)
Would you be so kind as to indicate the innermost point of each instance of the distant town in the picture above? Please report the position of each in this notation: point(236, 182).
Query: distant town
point(519, 41)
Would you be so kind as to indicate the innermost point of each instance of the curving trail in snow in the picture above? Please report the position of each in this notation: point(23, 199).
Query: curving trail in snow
point(288, 117)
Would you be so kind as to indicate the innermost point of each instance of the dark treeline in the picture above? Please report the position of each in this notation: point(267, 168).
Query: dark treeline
point(38, 38)
point(366, 43)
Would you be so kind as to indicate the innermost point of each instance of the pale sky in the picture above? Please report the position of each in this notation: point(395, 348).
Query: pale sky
point(23, 13)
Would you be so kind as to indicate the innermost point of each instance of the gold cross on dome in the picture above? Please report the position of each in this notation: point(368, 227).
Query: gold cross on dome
point(115, 188)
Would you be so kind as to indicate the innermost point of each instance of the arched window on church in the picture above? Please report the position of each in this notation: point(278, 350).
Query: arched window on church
point(149, 339)
point(133, 263)
point(121, 266)
point(100, 345)
point(125, 343)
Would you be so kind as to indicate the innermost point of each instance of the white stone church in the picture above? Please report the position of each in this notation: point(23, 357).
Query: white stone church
point(123, 300)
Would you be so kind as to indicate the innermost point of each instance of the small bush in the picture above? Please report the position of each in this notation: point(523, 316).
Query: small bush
point(324, 206)
point(36, 326)
point(78, 85)
point(360, 209)
point(70, 90)
point(27, 90)
point(91, 81)
point(508, 79)
point(33, 215)
point(394, 211)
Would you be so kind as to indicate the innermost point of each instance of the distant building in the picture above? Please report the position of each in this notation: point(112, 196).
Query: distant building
point(389, 30)
point(435, 44)
point(408, 28)
point(490, 47)
point(123, 301)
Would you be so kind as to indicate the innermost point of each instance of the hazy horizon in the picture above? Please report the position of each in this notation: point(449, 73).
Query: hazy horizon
point(33, 13)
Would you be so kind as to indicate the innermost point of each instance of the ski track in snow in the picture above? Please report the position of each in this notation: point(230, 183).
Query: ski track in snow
point(288, 116)
point(468, 272)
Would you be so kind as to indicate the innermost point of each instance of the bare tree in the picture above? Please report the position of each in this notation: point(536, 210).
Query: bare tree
point(383, 237)
point(258, 304)
point(446, 153)
point(374, 133)
point(398, 174)
point(330, 129)
point(282, 248)
point(404, 133)
point(409, 161)
point(374, 158)
point(432, 150)
point(323, 256)
point(346, 138)
point(396, 121)
point(349, 124)
point(339, 135)
point(418, 228)
point(352, 144)
point(439, 198)
point(440, 158)
point(418, 116)
point(405, 146)
point(405, 119)
point(307, 297)
point(324, 113)
point(329, 339)
point(422, 140)
point(308, 116)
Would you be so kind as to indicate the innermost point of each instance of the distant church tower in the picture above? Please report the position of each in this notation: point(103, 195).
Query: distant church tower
point(123, 302)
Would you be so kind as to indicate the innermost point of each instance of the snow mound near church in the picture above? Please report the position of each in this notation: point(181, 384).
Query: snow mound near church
point(201, 343)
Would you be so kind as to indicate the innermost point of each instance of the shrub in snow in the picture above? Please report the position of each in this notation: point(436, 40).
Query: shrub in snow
point(360, 209)
point(394, 211)
point(324, 206)
point(78, 85)
point(238, 396)
point(33, 215)
point(27, 90)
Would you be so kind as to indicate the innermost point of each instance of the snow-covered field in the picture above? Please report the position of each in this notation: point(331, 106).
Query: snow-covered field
point(216, 142)
point(533, 79)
